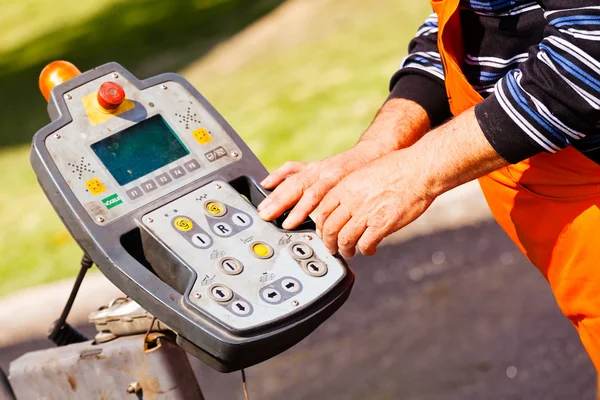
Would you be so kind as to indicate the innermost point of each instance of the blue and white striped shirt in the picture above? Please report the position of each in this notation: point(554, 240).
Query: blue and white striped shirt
point(537, 68)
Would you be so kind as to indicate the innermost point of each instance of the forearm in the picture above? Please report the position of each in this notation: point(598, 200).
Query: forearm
point(398, 124)
point(455, 153)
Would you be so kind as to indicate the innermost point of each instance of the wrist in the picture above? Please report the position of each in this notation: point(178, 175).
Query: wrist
point(454, 154)
point(369, 150)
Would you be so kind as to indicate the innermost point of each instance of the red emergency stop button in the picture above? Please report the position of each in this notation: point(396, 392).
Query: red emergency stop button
point(110, 96)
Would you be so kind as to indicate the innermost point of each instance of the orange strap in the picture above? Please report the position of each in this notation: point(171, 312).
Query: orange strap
point(461, 94)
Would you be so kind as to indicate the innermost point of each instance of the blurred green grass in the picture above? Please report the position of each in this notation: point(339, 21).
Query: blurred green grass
point(305, 91)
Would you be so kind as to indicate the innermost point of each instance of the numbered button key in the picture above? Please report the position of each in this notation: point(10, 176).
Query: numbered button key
point(301, 251)
point(220, 293)
point(183, 224)
point(241, 219)
point(222, 229)
point(261, 250)
point(315, 268)
point(271, 295)
point(201, 240)
point(231, 266)
point(134, 193)
point(241, 308)
point(215, 209)
point(291, 285)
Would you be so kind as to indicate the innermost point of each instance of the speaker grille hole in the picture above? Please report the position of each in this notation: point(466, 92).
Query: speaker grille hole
point(81, 167)
point(187, 118)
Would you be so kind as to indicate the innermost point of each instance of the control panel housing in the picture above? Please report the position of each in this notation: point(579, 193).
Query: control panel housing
point(162, 194)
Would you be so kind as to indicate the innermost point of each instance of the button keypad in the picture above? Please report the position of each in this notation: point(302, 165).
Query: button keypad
point(163, 179)
point(228, 246)
point(201, 240)
point(231, 266)
point(149, 186)
point(215, 154)
point(134, 193)
point(191, 165)
point(177, 172)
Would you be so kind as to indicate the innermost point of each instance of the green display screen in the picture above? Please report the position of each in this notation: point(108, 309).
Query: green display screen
point(140, 149)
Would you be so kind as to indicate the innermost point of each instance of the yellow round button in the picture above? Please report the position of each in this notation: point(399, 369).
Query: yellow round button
point(215, 208)
point(262, 250)
point(183, 224)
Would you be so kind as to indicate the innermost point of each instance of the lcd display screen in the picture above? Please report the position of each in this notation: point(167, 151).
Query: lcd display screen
point(140, 149)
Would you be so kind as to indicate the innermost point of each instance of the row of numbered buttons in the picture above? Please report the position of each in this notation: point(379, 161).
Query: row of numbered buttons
point(162, 179)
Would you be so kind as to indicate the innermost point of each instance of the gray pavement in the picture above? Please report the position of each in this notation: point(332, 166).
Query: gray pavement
point(458, 314)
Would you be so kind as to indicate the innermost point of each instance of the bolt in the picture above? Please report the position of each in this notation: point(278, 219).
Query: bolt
point(163, 87)
point(308, 237)
point(134, 387)
point(150, 220)
point(235, 154)
point(295, 303)
point(57, 136)
point(100, 219)
point(68, 96)
point(115, 75)
point(151, 104)
point(218, 186)
point(197, 295)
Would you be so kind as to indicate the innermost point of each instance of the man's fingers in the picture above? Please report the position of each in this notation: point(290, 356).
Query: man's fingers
point(282, 173)
point(283, 198)
point(329, 203)
point(333, 225)
point(370, 239)
point(308, 202)
point(349, 236)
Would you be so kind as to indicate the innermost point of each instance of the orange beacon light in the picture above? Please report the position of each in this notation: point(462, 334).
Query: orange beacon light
point(54, 74)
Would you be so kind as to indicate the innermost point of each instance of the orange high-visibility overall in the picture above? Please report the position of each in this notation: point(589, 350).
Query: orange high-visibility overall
point(547, 204)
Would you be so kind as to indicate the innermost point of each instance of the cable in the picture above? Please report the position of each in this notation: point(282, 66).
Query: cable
point(149, 330)
point(62, 333)
point(244, 386)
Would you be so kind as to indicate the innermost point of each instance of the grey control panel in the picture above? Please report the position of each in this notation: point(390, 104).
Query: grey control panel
point(79, 148)
point(161, 192)
point(248, 272)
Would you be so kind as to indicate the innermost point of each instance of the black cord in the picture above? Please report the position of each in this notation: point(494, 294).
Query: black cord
point(244, 386)
point(62, 333)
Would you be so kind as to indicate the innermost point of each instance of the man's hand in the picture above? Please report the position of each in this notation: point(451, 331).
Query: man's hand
point(398, 124)
point(371, 203)
point(384, 196)
point(304, 185)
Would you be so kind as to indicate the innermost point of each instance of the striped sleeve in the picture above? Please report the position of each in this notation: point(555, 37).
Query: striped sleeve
point(553, 99)
point(421, 75)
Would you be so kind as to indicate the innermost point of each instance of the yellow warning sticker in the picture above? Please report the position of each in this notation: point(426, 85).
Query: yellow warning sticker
point(95, 186)
point(202, 136)
point(95, 113)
